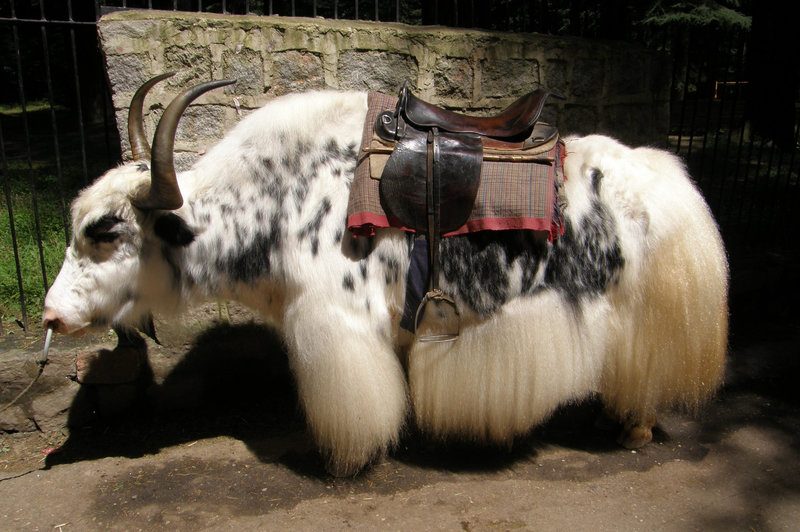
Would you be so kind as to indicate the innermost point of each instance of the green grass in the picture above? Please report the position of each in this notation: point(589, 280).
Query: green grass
point(37, 146)
point(51, 224)
point(31, 107)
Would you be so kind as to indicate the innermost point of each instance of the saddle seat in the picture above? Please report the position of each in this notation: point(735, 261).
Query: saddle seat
point(514, 121)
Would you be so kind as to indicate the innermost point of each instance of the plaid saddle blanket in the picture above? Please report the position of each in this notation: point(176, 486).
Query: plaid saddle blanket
point(512, 194)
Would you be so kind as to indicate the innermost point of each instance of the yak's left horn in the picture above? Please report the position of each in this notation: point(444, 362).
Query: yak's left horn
point(164, 191)
point(140, 146)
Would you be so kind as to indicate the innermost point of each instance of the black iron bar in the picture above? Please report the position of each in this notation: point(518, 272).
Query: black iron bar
point(779, 190)
point(684, 100)
point(720, 98)
point(54, 127)
point(40, 21)
point(78, 105)
point(732, 122)
point(753, 185)
point(758, 187)
point(13, 232)
point(31, 176)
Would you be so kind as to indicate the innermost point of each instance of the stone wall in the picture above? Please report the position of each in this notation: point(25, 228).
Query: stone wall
point(609, 87)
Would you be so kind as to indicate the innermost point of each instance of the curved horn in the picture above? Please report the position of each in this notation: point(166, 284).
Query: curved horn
point(164, 191)
point(140, 146)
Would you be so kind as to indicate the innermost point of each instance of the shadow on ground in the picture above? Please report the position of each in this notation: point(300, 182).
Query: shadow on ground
point(234, 381)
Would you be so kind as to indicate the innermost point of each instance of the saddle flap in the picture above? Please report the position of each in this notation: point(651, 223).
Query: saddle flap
point(403, 187)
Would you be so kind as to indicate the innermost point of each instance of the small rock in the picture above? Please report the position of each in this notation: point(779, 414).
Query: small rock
point(14, 419)
point(50, 411)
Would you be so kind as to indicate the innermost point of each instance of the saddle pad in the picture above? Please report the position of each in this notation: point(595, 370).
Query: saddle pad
point(512, 195)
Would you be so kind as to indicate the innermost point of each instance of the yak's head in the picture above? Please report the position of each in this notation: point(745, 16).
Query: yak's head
point(111, 274)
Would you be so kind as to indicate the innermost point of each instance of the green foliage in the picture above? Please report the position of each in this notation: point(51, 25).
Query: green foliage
point(698, 13)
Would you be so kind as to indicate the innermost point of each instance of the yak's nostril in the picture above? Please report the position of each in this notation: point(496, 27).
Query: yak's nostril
point(53, 324)
point(50, 320)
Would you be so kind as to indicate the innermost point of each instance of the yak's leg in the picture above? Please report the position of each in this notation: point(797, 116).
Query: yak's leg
point(349, 381)
point(670, 338)
point(637, 431)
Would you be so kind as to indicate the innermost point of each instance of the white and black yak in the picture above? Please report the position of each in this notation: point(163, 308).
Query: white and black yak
point(628, 304)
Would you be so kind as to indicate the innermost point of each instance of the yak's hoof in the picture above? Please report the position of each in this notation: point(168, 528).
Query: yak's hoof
point(636, 435)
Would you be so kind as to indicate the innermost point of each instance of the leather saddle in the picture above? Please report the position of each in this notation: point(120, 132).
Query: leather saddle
point(431, 179)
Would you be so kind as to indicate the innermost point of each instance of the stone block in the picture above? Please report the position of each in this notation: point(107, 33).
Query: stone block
point(127, 72)
point(50, 411)
point(200, 123)
point(128, 29)
point(588, 78)
point(246, 66)
point(15, 419)
point(378, 71)
point(296, 71)
point(508, 78)
point(190, 63)
point(454, 79)
point(555, 77)
point(16, 371)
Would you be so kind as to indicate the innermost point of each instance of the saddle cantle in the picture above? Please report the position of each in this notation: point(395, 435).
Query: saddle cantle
point(431, 179)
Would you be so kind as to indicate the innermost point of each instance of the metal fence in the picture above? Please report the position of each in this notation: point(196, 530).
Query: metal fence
point(57, 130)
point(750, 180)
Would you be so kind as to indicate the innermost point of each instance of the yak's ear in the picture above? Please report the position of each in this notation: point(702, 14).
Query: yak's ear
point(173, 230)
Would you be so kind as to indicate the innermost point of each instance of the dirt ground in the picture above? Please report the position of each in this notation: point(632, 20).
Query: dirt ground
point(241, 458)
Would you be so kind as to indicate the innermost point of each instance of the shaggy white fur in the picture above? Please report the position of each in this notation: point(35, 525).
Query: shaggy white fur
point(656, 339)
point(263, 222)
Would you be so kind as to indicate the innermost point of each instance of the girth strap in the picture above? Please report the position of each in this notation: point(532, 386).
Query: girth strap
point(432, 193)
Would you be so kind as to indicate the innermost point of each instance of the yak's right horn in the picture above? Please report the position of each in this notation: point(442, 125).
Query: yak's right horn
point(140, 146)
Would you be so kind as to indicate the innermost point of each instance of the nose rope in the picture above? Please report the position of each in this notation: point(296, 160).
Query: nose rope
point(42, 363)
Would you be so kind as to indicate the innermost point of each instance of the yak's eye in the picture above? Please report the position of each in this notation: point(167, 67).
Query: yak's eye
point(101, 230)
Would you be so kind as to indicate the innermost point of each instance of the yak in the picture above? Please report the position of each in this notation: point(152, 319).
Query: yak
point(628, 305)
